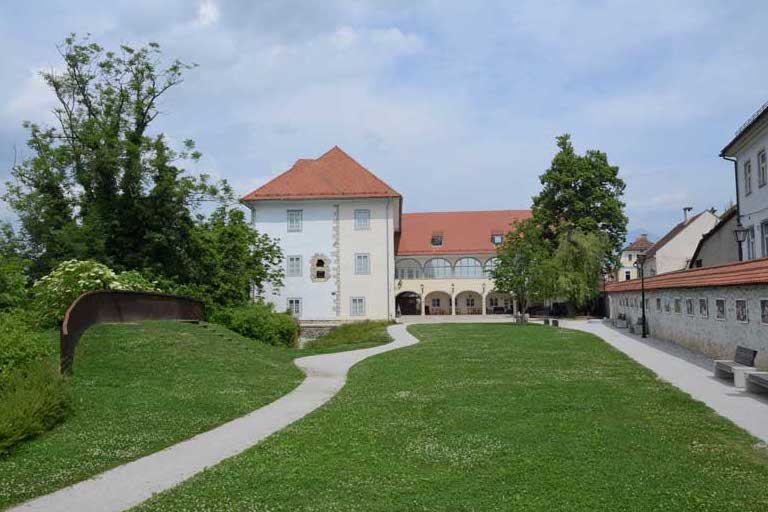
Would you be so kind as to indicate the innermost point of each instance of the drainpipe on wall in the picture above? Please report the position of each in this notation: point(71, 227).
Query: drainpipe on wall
point(738, 205)
point(389, 290)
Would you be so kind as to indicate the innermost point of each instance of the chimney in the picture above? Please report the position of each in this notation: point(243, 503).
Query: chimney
point(686, 211)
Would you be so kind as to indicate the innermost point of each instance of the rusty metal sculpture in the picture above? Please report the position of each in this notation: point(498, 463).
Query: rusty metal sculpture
point(105, 306)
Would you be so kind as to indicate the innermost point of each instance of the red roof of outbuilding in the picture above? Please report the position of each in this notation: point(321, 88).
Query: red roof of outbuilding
point(333, 175)
point(731, 274)
point(463, 232)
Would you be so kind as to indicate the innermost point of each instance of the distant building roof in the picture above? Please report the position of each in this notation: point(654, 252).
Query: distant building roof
point(462, 232)
point(641, 244)
point(724, 218)
point(731, 274)
point(671, 235)
point(334, 175)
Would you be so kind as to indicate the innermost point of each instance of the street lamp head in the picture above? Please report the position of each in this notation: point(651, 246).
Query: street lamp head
point(741, 233)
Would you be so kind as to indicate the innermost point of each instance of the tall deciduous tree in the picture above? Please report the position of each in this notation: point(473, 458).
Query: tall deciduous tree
point(579, 259)
point(581, 192)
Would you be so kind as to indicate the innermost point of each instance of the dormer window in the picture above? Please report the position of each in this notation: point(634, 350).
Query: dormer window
point(437, 239)
point(497, 238)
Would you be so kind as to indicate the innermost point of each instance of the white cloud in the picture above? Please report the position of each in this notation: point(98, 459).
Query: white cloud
point(207, 13)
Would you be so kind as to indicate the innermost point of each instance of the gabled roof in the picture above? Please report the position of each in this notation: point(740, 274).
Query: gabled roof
point(650, 253)
point(756, 119)
point(724, 218)
point(730, 274)
point(334, 175)
point(463, 232)
point(641, 244)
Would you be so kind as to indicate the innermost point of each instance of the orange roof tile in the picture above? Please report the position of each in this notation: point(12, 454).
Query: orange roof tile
point(730, 274)
point(463, 232)
point(333, 175)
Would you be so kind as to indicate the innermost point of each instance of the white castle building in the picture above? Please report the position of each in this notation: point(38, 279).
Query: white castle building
point(352, 254)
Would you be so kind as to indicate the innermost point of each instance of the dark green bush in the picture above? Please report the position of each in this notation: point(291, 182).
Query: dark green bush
point(259, 322)
point(33, 398)
point(19, 343)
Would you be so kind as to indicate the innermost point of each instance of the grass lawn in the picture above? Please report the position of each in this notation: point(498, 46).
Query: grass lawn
point(351, 336)
point(140, 388)
point(494, 417)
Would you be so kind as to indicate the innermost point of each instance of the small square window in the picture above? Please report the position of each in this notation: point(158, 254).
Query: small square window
point(294, 307)
point(497, 238)
point(362, 264)
point(357, 306)
point(742, 313)
point(704, 308)
point(437, 239)
point(362, 219)
point(294, 266)
point(720, 313)
point(295, 220)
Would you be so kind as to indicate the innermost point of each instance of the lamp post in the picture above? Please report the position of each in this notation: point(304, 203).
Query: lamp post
point(640, 264)
point(741, 237)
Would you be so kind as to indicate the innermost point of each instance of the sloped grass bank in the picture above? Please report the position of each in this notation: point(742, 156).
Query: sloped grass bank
point(351, 336)
point(139, 388)
point(494, 417)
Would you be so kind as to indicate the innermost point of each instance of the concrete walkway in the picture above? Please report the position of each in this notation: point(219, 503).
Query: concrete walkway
point(130, 484)
point(689, 372)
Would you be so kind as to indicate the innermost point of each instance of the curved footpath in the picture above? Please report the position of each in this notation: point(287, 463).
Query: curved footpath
point(130, 484)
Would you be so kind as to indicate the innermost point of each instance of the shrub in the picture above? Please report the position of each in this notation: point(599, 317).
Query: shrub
point(55, 292)
point(19, 343)
point(259, 322)
point(33, 398)
point(13, 282)
point(368, 332)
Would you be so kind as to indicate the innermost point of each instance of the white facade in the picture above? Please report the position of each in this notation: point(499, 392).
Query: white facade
point(344, 250)
point(676, 252)
point(751, 154)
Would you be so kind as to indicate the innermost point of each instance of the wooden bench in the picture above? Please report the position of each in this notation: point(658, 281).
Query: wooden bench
point(743, 363)
point(757, 382)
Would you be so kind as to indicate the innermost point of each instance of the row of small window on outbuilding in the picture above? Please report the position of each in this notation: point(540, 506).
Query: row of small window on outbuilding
point(698, 307)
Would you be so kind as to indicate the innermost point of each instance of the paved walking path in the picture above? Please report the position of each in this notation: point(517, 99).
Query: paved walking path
point(690, 373)
point(130, 484)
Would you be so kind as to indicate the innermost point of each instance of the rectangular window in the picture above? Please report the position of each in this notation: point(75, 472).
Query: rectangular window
point(494, 302)
point(762, 168)
point(295, 220)
point(497, 239)
point(689, 307)
point(678, 306)
point(720, 309)
point(658, 304)
point(764, 311)
point(742, 314)
point(437, 239)
point(470, 302)
point(748, 177)
point(362, 264)
point(436, 302)
point(627, 275)
point(750, 243)
point(294, 307)
point(294, 266)
point(357, 306)
point(667, 303)
point(362, 219)
point(764, 238)
point(704, 308)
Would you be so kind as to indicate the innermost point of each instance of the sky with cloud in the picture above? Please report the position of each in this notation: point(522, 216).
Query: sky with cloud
point(454, 104)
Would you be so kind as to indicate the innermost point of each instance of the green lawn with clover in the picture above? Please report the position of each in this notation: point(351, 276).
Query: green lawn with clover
point(139, 388)
point(494, 417)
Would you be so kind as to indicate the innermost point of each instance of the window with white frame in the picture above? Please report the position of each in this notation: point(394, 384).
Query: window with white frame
point(489, 266)
point(627, 275)
point(497, 238)
point(294, 307)
point(704, 308)
point(762, 168)
point(294, 266)
point(742, 313)
point(720, 313)
point(468, 268)
point(357, 307)
point(750, 243)
point(764, 238)
point(678, 306)
point(689, 307)
point(362, 219)
point(658, 304)
point(295, 220)
point(748, 177)
point(438, 268)
point(407, 269)
point(470, 301)
point(435, 302)
point(764, 311)
point(362, 264)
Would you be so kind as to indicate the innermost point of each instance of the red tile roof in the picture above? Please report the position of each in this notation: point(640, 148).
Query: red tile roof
point(333, 175)
point(640, 244)
point(463, 232)
point(731, 274)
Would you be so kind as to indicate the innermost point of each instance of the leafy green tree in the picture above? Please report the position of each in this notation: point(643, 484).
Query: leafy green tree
point(97, 186)
point(13, 269)
point(525, 267)
point(581, 192)
point(579, 258)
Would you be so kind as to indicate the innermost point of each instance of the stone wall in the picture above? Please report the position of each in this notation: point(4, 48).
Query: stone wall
point(703, 330)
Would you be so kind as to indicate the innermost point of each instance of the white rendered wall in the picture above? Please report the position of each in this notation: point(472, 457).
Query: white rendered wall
point(676, 254)
point(753, 208)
